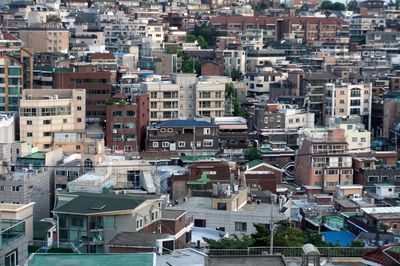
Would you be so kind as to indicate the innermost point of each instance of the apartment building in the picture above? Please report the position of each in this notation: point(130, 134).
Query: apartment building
point(344, 100)
point(45, 112)
point(361, 25)
point(186, 96)
point(16, 232)
point(52, 38)
point(282, 116)
point(126, 123)
point(27, 185)
point(210, 96)
point(180, 136)
point(322, 161)
point(7, 127)
point(98, 85)
point(259, 82)
point(90, 221)
point(16, 71)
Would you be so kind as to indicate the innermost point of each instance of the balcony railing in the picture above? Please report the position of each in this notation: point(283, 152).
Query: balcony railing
point(11, 229)
point(328, 252)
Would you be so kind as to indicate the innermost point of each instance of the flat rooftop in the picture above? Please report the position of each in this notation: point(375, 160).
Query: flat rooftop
point(182, 257)
point(139, 259)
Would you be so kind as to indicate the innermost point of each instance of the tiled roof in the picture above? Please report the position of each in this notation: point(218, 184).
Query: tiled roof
point(386, 255)
point(97, 56)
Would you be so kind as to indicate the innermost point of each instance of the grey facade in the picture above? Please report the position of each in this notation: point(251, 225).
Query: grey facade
point(22, 187)
point(179, 135)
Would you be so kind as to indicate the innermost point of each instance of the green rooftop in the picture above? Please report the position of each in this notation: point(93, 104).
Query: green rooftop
point(89, 203)
point(203, 180)
point(189, 158)
point(254, 163)
point(36, 155)
point(137, 259)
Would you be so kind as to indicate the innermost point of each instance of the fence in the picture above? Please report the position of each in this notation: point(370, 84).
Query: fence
point(327, 252)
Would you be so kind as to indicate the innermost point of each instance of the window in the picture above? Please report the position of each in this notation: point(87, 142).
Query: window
point(198, 143)
point(79, 98)
point(363, 139)
point(165, 144)
point(46, 134)
point(109, 222)
point(200, 223)
point(154, 215)
point(169, 130)
point(11, 259)
point(1, 188)
point(355, 139)
point(79, 120)
point(46, 122)
point(208, 143)
point(29, 122)
point(155, 144)
point(139, 223)
point(88, 165)
point(181, 144)
point(29, 134)
point(65, 121)
point(207, 131)
point(318, 172)
point(46, 146)
point(78, 147)
point(15, 188)
point(221, 206)
point(79, 108)
point(240, 226)
point(341, 101)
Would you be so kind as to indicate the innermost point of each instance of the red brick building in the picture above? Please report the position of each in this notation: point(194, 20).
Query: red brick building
point(126, 123)
point(98, 85)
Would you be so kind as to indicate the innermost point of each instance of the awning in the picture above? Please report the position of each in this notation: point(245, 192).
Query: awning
point(233, 127)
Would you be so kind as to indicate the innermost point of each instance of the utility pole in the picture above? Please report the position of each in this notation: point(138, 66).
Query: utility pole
point(271, 228)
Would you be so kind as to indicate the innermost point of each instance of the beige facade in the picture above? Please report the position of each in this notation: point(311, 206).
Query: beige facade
point(39, 40)
point(344, 100)
point(45, 112)
point(210, 96)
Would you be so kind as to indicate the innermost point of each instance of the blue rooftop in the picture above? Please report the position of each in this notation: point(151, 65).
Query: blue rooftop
point(343, 238)
point(184, 123)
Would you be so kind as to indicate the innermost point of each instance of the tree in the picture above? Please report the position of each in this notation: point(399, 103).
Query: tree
point(230, 91)
point(352, 5)
point(209, 34)
point(233, 242)
point(236, 74)
point(252, 154)
point(191, 66)
point(191, 38)
point(328, 5)
point(202, 42)
point(237, 109)
point(357, 243)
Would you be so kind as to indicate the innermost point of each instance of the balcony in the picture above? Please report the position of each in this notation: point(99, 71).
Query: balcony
point(11, 229)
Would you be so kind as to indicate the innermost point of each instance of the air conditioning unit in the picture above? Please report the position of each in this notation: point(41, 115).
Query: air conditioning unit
point(50, 97)
point(114, 131)
point(56, 97)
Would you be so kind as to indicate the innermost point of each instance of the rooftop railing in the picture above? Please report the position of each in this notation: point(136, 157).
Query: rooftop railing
point(328, 252)
point(11, 229)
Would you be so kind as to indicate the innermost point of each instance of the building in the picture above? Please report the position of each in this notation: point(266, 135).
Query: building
point(48, 39)
point(7, 127)
point(229, 211)
point(323, 161)
point(16, 232)
point(45, 112)
point(126, 123)
point(185, 136)
point(90, 221)
point(186, 96)
point(25, 186)
point(259, 82)
point(262, 176)
point(97, 84)
point(388, 217)
point(344, 100)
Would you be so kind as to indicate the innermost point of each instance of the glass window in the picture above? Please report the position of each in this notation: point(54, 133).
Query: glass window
point(109, 222)
point(240, 226)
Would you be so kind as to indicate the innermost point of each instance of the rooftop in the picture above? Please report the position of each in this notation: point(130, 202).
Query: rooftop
point(184, 123)
point(90, 203)
point(140, 259)
point(136, 239)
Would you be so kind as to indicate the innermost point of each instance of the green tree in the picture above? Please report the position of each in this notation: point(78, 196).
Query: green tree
point(252, 154)
point(352, 5)
point(236, 74)
point(233, 242)
point(209, 34)
point(237, 109)
point(357, 243)
point(230, 91)
point(191, 66)
point(191, 38)
point(328, 5)
point(202, 42)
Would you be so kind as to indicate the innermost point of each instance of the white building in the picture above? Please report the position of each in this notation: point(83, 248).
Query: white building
point(7, 127)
